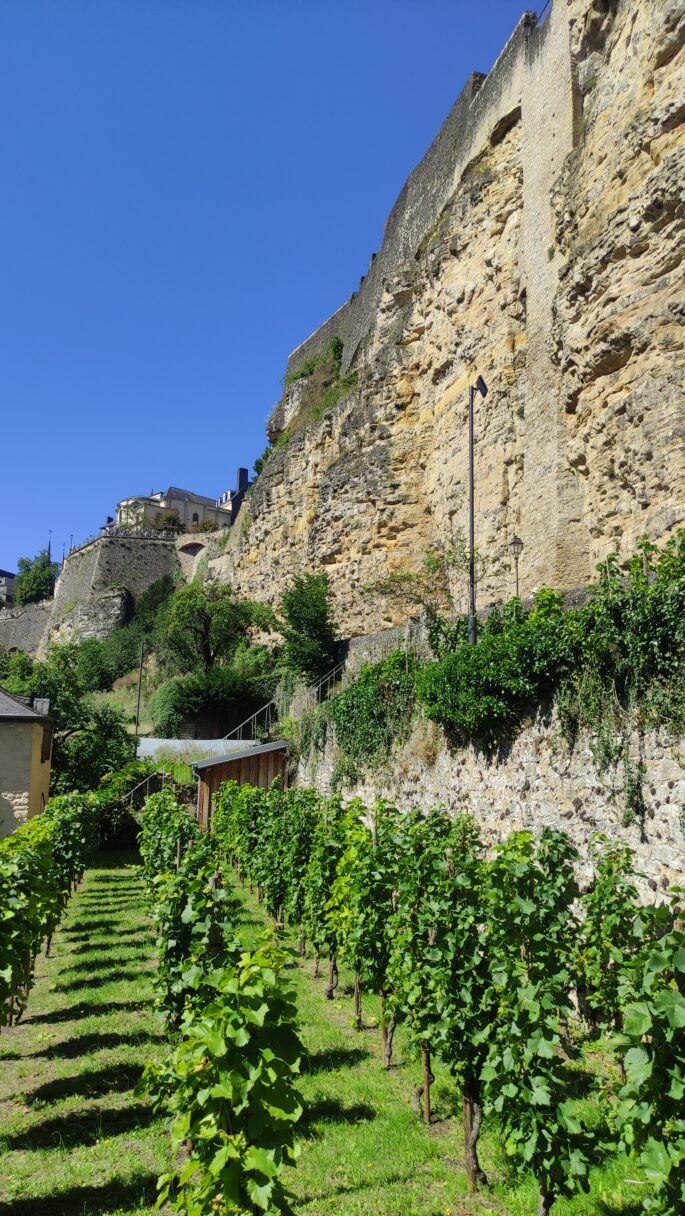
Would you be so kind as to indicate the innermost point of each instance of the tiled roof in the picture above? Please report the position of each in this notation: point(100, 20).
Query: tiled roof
point(188, 496)
point(14, 706)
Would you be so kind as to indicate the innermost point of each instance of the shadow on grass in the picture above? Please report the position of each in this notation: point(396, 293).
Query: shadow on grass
point(84, 1009)
point(120, 1078)
point(87, 927)
point(88, 1200)
point(97, 907)
point(352, 1188)
point(84, 1044)
point(329, 1110)
point(130, 955)
point(88, 946)
point(331, 1061)
point(112, 975)
point(82, 1128)
point(608, 1209)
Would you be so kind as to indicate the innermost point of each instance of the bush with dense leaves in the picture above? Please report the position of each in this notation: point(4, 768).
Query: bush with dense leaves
point(374, 712)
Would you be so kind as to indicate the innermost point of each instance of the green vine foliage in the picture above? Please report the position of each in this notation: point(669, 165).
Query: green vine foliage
point(236, 825)
point(40, 865)
point(531, 930)
point(479, 957)
point(651, 1106)
point(167, 829)
point(464, 998)
point(415, 960)
point(375, 711)
point(195, 918)
point(328, 844)
point(229, 1088)
point(228, 1085)
point(611, 934)
point(363, 899)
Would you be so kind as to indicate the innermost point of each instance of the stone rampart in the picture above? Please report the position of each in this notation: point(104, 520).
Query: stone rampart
point(133, 563)
point(533, 80)
point(540, 781)
point(24, 627)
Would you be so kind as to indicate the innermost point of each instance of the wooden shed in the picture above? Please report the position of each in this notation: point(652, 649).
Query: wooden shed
point(249, 766)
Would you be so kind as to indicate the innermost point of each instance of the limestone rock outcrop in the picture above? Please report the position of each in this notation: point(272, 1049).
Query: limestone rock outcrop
point(538, 244)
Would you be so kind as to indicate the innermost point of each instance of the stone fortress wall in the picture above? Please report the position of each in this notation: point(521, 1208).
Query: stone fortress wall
point(539, 244)
point(114, 561)
point(93, 593)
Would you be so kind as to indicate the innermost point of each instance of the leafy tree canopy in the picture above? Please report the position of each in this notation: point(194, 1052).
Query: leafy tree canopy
point(310, 630)
point(35, 578)
point(203, 624)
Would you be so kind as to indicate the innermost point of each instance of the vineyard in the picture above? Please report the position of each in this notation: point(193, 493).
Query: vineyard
point(346, 1010)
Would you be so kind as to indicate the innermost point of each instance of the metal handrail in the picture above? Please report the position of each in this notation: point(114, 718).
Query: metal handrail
point(146, 781)
point(271, 708)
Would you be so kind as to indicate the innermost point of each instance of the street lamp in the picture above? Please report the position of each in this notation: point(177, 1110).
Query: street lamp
point(481, 387)
point(516, 549)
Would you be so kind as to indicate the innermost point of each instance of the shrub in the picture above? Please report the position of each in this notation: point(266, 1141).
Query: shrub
point(375, 711)
point(227, 694)
point(482, 691)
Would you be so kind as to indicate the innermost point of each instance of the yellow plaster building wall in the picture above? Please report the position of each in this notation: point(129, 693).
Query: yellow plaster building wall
point(24, 778)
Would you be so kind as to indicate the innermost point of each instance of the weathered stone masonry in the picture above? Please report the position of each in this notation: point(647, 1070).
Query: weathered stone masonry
point(539, 243)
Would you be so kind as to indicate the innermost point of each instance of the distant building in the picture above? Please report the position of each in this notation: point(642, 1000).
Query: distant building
point(25, 758)
point(193, 510)
point(6, 587)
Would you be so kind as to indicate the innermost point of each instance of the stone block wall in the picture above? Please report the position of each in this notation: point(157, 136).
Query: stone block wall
point(540, 244)
point(129, 562)
point(539, 782)
point(24, 627)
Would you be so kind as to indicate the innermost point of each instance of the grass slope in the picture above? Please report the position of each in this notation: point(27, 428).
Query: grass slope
point(74, 1140)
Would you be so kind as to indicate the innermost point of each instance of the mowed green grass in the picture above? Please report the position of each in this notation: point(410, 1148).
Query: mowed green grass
point(74, 1139)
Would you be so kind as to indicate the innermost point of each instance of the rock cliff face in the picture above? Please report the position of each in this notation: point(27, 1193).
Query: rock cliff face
point(540, 245)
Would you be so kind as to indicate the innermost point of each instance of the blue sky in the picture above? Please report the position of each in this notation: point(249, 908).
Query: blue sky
point(188, 189)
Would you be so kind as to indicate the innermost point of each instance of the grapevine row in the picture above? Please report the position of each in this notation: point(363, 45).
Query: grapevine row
point(41, 863)
point(227, 1083)
point(487, 962)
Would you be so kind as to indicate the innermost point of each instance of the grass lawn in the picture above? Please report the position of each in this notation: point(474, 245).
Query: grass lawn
point(75, 1140)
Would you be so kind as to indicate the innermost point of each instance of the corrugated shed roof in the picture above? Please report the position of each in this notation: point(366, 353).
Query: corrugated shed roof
point(14, 706)
point(279, 746)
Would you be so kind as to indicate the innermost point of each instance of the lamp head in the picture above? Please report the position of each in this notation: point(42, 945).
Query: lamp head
point(482, 386)
point(516, 546)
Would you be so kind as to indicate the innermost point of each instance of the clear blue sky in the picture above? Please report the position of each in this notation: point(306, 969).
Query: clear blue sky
point(188, 189)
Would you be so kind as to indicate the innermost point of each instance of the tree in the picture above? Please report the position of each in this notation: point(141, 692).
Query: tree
point(203, 624)
point(310, 630)
point(88, 741)
point(167, 521)
point(99, 744)
point(35, 580)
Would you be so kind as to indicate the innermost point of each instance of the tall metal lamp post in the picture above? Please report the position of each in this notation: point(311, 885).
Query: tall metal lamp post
point(516, 549)
point(481, 387)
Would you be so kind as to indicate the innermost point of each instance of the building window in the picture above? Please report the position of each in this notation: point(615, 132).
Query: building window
point(196, 517)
